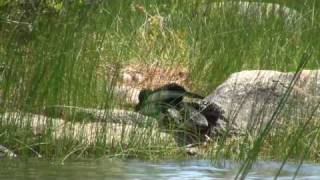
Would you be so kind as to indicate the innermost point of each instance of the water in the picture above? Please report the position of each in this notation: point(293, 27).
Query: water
point(134, 169)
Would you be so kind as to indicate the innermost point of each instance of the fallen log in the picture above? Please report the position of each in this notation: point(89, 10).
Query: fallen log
point(87, 133)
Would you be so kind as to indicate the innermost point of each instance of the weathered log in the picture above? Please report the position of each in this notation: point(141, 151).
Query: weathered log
point(88, 133)
point(5, 152)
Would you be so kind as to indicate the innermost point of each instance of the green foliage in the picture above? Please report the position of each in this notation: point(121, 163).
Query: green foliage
point(71, 52)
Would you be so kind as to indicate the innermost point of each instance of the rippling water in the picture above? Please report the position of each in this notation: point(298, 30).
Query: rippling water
point(134, 169)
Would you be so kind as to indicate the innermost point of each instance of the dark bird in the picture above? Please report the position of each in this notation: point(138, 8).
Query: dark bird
point(169, 95)
point(167, 103)
point(212, 113)
point(198, 120)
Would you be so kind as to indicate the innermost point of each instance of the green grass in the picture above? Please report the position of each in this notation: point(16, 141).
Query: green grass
point(71, 53)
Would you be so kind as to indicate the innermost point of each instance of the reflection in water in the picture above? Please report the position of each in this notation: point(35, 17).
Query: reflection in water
point(134, 169)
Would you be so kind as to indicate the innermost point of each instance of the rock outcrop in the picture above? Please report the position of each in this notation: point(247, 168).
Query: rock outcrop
point(251, 98)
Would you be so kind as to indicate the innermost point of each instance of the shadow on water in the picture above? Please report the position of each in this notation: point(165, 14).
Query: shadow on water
point(134, 169)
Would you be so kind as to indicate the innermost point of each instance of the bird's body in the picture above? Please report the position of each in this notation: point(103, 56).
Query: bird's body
point(167, 102)
point(211, 112)
point(169, 95)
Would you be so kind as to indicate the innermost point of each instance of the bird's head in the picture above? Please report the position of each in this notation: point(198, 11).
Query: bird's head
point(143, 95)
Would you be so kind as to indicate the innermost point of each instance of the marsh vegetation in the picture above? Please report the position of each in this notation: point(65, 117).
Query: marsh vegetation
point(63, 53)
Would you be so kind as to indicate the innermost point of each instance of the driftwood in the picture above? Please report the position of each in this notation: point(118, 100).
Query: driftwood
point(5, 152)
point(108, 126)
point(89, 132)
point(107, 115)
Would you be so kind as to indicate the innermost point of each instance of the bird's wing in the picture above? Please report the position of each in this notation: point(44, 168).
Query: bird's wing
point(164, 95)
point(194, 116)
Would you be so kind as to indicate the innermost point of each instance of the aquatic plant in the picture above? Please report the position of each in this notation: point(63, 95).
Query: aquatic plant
point(71, 54)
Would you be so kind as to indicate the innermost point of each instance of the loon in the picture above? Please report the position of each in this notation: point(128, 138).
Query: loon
point(169, 95)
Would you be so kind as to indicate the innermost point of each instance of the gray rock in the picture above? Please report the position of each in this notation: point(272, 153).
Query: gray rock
point(250, 98)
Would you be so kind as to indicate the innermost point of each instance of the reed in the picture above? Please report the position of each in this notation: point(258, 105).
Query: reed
point(62, 53)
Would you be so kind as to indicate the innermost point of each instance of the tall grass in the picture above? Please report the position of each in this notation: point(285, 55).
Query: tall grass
point(63, 53)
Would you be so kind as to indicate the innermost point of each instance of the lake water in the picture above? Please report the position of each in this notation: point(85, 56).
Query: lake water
point(135, 169)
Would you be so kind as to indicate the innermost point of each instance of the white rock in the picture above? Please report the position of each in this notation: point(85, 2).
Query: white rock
point(251, 97)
